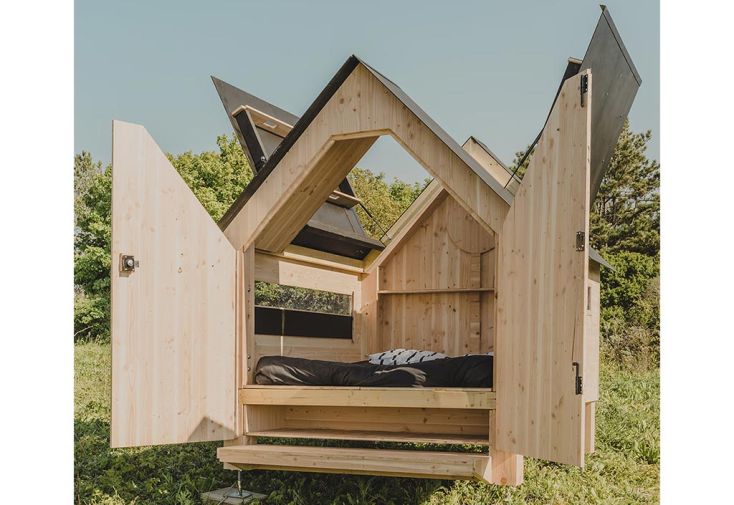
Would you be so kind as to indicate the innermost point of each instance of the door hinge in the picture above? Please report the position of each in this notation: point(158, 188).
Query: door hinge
point(579, 380)
point(580, 240)
point(584, 87)
point(128, 263)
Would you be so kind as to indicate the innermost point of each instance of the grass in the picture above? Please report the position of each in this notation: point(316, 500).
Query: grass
point(625, 468)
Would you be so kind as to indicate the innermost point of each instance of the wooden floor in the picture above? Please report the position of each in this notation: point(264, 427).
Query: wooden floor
point(376, 436)
point(408, 463)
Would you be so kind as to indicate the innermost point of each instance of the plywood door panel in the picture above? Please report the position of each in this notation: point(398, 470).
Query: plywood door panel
point(173, 317)
point(542, 292)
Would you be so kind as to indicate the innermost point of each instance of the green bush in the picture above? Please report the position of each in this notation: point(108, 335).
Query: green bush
point(630, 314)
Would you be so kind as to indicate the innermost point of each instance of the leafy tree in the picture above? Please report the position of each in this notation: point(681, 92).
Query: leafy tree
point(92, 201)
point(386, 202)
point(216, 179)
point(626, 212)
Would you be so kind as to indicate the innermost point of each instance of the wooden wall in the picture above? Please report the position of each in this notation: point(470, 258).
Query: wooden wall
point(436, 288)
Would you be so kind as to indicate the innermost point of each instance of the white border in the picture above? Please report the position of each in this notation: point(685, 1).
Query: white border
point(36, 200)
point(697, 226)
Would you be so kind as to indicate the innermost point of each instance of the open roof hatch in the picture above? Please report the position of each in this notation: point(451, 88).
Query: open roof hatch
point(260, 128)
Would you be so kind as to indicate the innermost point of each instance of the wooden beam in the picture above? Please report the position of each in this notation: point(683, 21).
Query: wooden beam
point(492, 165)
point(433, 291)
point(289, 272)
point(317, 181)
point(374, 436)
point(418, 464)
point(449, 398)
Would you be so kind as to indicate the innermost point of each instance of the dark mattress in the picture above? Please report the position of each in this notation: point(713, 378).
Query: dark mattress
point(473, 371)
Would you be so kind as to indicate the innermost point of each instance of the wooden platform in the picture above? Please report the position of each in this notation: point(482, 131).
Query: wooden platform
point(376, 436)
point(420, 464)
point(331, 396)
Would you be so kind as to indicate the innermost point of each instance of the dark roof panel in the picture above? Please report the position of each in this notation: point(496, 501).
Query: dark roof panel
point(333, 228)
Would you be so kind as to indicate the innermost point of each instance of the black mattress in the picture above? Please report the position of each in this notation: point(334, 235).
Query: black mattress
point(474, 371)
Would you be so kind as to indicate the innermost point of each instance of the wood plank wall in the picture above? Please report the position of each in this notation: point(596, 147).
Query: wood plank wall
point(435, 290)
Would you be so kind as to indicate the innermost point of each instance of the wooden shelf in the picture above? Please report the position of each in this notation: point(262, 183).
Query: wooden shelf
point(433, 291)
point(396, 463)
point(377, 436)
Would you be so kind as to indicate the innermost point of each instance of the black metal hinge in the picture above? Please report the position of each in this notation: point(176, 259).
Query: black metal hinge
point(580, 240)
point(579, 379)
point(584, 87)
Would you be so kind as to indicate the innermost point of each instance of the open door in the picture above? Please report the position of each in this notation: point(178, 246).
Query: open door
point(543, 267)
point(173, 304)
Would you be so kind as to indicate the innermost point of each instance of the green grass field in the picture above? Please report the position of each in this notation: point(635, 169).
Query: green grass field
point(625, 468)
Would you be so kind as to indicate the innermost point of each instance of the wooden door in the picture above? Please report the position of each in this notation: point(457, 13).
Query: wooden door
point(542, 272)
point(173, 310)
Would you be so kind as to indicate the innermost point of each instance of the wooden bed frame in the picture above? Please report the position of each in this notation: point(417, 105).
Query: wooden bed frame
point(471, 267)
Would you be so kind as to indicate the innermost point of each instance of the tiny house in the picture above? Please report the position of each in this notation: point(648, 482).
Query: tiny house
point(482, 263)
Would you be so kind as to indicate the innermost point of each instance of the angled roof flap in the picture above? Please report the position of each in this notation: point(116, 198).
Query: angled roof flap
point(333, 228)
point(298, 128)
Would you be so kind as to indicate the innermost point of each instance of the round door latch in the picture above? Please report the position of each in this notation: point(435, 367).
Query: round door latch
point(128, 263)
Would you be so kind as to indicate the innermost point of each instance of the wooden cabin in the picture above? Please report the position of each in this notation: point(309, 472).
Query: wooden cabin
point(481, 262)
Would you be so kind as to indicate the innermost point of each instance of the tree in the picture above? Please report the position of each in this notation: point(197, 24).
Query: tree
point(386, 202)
point(626, 211)
point(92, 236)
point(217, 179)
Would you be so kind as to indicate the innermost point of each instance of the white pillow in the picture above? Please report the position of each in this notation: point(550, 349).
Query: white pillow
point(403, 357)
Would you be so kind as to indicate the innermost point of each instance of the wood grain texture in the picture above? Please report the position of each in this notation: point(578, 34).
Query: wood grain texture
point(447, 421)
point(328, 396)
point(419, 464)
point(591, 334)
point(375, 436)
point(491, 164)
point(432, 283)
point(542, 292)
point(173, 318)
point(361, 108)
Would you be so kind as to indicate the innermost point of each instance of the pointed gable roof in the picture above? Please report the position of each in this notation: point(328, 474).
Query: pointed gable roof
point(302, 124)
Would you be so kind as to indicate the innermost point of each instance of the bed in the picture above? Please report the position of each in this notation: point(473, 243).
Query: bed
point(473, 371)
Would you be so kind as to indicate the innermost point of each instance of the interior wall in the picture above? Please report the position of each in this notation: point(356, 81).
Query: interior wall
point(435, 291)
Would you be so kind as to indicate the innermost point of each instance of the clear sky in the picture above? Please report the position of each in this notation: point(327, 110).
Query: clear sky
point(483, 68)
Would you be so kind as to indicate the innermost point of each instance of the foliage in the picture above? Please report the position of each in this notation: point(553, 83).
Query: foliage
point(624, 469)
point(92, 236)
point(625, 227)
point(386, 202)
point(626, 212)
point(216, 179)
point(630, 322)
point(289, 297)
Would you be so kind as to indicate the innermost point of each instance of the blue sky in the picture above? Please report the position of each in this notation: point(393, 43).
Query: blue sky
point(488, 68)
